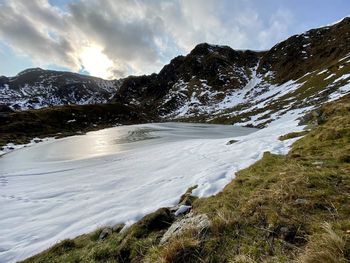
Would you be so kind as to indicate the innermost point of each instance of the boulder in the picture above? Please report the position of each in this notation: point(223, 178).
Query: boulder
point(199, 222)
point(156, 221)
point(117, 228)
point(105, 233)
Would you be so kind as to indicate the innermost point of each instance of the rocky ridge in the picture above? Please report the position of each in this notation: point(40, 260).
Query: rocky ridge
point(221, 85)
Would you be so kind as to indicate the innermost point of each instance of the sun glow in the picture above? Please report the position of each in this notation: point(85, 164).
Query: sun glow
point(96, 62)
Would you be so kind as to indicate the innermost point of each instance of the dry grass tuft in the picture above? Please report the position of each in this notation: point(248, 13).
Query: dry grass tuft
point(182, 249)
point(242, 259)
point(327, 247)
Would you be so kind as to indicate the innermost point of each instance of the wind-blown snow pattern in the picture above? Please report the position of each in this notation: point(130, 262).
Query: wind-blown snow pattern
point(60, 189)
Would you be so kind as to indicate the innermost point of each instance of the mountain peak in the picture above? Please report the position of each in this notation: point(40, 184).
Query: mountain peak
point(29, 70)
point(205, 48)
point(37, 88)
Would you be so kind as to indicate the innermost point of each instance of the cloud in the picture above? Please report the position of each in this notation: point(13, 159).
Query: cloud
point(277, 27)
point(132, 36)
point(26, 29)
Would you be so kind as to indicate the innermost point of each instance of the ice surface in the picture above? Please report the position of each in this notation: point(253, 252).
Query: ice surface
point(63, 188)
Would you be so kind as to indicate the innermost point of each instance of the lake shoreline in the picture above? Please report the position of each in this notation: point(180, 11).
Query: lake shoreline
point(111, 178)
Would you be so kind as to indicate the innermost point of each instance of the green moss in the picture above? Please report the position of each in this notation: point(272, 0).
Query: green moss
point(293, 135)
point(64, 246)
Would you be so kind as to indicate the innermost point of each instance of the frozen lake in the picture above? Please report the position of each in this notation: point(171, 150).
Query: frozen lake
point(62, 188)
point(66, 187)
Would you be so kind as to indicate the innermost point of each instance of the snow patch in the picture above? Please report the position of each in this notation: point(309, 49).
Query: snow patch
point(330, 76)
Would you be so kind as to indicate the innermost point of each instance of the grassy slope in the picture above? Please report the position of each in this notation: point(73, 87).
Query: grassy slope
point(281, 209)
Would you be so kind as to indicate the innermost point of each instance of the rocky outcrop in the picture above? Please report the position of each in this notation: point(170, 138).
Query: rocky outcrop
point(199, 222)
point(220, 67)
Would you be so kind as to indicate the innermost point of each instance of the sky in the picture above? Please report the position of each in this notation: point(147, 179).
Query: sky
point(116, 38)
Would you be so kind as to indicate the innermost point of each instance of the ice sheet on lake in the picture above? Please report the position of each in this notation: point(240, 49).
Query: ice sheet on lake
point(60, 189)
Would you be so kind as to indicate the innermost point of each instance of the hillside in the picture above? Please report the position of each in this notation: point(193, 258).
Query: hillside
point(220, 85)
point(38, 88)
point(212, 83)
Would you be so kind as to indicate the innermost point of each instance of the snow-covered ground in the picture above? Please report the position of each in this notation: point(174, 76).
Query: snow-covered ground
point(62, 188)
point(12, 147)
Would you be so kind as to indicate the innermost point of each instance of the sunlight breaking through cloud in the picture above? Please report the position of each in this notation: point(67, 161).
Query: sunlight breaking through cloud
point(96, 62)
point(134, 36)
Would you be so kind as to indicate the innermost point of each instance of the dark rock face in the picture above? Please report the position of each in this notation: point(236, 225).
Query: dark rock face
point(3, 80)
point(222, 67)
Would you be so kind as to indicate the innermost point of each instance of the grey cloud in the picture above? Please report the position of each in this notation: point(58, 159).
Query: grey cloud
point(122, 40)
point(24, 35)
point(41, 11)
point(137, 36)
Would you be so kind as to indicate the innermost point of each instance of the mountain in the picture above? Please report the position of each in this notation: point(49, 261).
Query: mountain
point(191, 85)
point(38, 88)
point(221, 85)
point(214, 84)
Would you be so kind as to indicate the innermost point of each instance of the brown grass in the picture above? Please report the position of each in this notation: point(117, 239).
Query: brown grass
point(327, 247)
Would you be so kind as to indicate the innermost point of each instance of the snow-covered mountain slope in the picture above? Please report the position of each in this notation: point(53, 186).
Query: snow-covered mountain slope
point(37, 88)
point(214, 84)
point(220, 85)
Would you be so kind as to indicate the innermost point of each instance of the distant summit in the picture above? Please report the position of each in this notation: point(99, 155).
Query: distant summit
point(36, 88)
point(30, 70)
